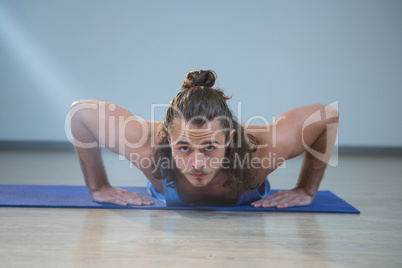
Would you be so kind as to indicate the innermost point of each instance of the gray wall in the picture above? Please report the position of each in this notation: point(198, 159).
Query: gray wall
point(270, 55)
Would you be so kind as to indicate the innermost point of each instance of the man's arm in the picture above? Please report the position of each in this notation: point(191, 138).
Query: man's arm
point(310, 130)
point(95, 124)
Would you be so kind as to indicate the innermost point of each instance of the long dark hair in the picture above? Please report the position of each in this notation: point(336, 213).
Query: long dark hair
point(198, 98)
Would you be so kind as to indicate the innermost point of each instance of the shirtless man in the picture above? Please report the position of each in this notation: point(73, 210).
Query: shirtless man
point(199, 154)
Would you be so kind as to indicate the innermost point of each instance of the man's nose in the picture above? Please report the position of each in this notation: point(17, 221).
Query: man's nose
point(199, 160)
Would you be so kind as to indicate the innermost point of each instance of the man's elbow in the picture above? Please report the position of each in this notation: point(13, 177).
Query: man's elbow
point(331, 114)
point(83, 102)
point(81, 108)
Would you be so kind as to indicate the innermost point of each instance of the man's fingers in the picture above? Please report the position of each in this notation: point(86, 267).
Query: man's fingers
point(279, 200)
point(283, 200)
point(136, 199)
point(129, 201)
point(123, 200)
point(120, 197)
point(133, 198)
point(119, 202)
point(269, 201)
point(139, 202)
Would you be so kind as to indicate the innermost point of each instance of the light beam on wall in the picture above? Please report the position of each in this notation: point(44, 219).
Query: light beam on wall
point(54, 85)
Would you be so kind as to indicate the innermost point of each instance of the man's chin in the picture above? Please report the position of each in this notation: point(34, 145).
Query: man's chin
point(198, 182)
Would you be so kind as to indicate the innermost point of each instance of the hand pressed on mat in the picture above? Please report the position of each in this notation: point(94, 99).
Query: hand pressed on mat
point(285, 199)
point(119, 196)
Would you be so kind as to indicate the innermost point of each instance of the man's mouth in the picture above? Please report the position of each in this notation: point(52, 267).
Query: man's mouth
point(198, 175)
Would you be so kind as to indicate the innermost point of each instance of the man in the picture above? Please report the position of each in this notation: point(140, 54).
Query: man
point(200, 155)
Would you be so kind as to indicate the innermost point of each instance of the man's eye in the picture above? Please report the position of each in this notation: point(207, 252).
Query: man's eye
point(183, 149)
point(209, 148)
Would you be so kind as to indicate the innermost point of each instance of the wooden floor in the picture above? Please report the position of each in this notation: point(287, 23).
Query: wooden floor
point(50, 237)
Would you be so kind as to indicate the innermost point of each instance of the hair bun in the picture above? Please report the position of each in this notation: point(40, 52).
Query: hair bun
point(199, 78)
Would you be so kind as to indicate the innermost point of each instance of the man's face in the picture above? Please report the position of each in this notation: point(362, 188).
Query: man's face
point(198, 151)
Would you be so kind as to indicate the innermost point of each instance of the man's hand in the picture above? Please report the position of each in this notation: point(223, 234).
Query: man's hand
point(119, 196)
point(285, 199)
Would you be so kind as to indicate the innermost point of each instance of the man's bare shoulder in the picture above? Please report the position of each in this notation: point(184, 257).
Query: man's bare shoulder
point(266, 139)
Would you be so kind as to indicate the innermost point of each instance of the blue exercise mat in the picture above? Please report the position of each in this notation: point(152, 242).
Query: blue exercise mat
point(61, 196)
